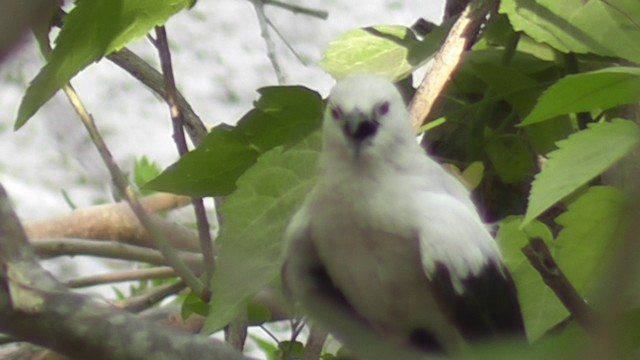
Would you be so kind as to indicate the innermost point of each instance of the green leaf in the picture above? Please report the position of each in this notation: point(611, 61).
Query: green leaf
point(541, 308)
point(93, 29)
point(144, 170)
point(193, 304)
point(600, 89)
point(580, 158)
point(389, 50)
point(255, 216)
point(508, 82)
point(590, 226)
point(511, 157)
point(607, 28)
point(282, 116)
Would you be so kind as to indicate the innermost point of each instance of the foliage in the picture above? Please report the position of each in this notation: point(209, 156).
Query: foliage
point(536, 114)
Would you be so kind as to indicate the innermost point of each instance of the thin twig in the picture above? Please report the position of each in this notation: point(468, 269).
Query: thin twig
point(151, 78)
point(297, 9)
point(286, 43)
point(540, 258)
point(113, 250)
point(447, 60)
point(142, 302)
point(177, 119)
point(122, 276)
point(271, 47)
point(125, 191)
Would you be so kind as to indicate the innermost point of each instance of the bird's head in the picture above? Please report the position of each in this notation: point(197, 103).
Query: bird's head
point(365, 114)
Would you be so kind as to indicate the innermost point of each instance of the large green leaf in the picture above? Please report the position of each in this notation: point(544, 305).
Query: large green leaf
point(600, 89)
point(255, 216)
point(580, 158)
point(590, 226)
point(541, 308)
point(93, 29)
point(389, 50)
point(607, 28)
point(282, 116)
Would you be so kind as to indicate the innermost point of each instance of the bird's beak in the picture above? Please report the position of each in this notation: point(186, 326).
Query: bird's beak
point(359, 128)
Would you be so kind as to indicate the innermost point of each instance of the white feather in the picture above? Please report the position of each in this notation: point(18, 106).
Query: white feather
point(382, 217)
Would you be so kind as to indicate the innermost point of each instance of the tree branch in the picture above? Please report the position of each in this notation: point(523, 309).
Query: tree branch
point(447, 60)
point(540, 257)
point(125, 191)
point(117, 222)
point(152, 79)
point(34, 307)
point(264, 32)
point(177, 119)
point(114, 250)
point(161, 272)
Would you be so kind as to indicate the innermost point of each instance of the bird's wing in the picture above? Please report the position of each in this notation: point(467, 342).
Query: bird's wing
point(305, 278)
point(462, 261)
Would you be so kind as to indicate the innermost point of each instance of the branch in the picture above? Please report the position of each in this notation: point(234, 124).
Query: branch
point(117, 222)
point(125, 191)
point(151, 78)
point(161, 272)
point(264, 32)
point(113, 250)
point(297, 9)
point(540, 257)
point(34, 307)
point(177, 119)
point(447, 60)
point(142, 302)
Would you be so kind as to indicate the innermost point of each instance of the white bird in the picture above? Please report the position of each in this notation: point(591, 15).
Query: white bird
point(388, 239)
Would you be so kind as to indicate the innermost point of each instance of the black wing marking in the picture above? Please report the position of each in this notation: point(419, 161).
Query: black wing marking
point(487, 308)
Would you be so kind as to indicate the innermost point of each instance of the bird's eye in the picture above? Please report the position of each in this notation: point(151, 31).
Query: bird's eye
point(336, 113)
point(383, 108)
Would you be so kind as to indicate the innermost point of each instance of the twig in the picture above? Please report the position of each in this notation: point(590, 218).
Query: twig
point(122, 276)
point(447, 60)
point(286, 43)
point(113, 250)
point(151, 78)
point(271, 47)
point(540, 258)
point(125, 191)
point(177, 119)
point(297, 9)
point(142, 302)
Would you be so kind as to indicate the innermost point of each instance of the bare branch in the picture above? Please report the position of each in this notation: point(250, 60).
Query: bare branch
point(297, 9)
point(117, 222)
point(150, 77)
point(121, 184)
point(122, 276)
point(31, 301)
point(142, 302)
point(113, 250)
point(264, 32)
point(177, 119)
point(448, 59)
point(540, 257)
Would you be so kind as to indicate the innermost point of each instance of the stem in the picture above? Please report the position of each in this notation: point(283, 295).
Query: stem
point(125, 191)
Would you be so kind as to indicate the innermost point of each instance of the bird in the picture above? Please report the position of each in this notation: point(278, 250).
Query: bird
point(389, 243)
